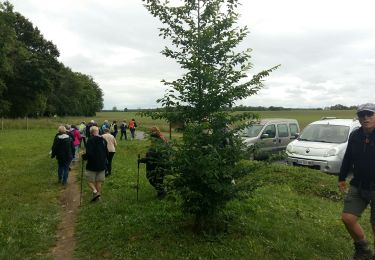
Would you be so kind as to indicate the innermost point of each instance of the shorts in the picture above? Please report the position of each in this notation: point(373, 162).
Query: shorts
point(355, 204)
point(95, 176)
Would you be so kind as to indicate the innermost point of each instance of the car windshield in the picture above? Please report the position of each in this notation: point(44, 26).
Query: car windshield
point(252, 131)
point(325, 133)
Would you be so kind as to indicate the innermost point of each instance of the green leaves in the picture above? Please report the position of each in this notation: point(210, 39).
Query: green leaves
point(204, 36)
point(32, 81)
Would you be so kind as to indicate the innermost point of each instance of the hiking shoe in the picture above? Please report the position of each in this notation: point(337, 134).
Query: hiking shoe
point(362, 251)
point(95, 196)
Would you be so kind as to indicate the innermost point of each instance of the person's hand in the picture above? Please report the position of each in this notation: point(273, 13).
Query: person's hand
point(342, 186)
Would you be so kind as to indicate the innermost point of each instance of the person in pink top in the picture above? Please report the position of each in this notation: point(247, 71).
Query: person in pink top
point(111, 145)
point(76, 141)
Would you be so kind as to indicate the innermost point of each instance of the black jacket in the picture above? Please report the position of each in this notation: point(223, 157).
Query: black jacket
point(63, 148)
point(96, 154)
point(156, 156)
point(360, 157)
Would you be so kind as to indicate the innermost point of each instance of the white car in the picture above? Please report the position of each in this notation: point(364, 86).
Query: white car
point(322, 144)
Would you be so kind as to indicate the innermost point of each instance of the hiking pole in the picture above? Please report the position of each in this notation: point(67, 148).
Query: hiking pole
point(80, 195)
point(139, 158)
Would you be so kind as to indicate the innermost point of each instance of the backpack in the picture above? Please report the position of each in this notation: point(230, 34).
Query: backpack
point(112, 128)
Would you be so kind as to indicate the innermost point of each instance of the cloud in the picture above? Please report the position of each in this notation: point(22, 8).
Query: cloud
point(325, 48)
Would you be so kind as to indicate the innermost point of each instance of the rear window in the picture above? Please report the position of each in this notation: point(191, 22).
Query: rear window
point(325, 133)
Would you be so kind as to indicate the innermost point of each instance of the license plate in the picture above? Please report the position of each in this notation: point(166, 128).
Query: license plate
point(303, 162)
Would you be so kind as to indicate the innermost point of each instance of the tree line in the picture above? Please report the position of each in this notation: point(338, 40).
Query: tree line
point(32, 80)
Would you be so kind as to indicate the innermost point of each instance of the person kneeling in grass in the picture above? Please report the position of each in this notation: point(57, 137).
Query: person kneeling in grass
point(96, 156)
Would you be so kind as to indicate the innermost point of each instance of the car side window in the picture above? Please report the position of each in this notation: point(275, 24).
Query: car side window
point(293, 129)
point(270, 130)
point(283, 130)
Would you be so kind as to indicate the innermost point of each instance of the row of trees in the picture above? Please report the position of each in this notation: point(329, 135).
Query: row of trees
point(32, 81)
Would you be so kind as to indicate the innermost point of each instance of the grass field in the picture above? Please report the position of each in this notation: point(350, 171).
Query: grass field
point(303, 116)
point(283, 213)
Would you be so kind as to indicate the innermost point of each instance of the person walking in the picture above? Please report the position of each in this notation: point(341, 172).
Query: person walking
point(76, 141)
point(82, 131)
point(123, 127)
point(114, 128)
point(359, 158)
point(111, 146)
point(156, 161)
point(96, 156)
point(132, 126)
point(63, 150)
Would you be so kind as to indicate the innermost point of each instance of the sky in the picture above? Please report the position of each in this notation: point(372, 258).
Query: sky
point(326, 49)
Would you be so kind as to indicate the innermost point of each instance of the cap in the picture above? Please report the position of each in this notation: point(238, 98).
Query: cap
point(366, 107)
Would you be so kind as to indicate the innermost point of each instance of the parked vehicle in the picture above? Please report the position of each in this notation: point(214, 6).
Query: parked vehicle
point(272, 134)
point(322, 144)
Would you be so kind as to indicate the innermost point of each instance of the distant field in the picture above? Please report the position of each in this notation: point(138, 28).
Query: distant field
point(304, 117)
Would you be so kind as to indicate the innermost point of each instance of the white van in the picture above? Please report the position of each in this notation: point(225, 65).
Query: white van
point(271, 134)
point(322, 144)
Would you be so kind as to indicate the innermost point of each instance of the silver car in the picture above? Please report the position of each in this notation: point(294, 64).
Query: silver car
point(271, 134)
point(322, 144)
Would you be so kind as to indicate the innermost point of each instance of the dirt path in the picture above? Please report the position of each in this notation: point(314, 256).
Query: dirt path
point(69, 199)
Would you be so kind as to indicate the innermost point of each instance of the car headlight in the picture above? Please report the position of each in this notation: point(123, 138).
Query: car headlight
point(290, 148)
point(331, 152)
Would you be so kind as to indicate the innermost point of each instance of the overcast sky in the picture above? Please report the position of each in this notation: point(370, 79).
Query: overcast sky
point(326, 48)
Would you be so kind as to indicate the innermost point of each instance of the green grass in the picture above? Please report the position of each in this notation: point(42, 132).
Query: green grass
point(283, 213)
point(304, 117)
point(28, 195)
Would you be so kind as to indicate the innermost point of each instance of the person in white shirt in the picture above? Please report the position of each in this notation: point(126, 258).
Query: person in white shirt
point(111, 145)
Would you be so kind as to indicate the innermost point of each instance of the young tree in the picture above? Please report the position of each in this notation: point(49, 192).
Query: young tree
point(205, 37)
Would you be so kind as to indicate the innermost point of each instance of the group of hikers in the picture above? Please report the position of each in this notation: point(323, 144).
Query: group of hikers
point(100, 147)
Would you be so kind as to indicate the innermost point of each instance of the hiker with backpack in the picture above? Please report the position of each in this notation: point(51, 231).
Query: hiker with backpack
point(156, 161)
point(113, 128)
point(123, 127)
point(132, 126)
point(63, 150)
point(96, 156)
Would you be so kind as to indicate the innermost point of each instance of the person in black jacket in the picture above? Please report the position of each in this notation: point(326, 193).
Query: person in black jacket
point(96, 156)
point(156, 161)
point(63, 150)
point(360, 158)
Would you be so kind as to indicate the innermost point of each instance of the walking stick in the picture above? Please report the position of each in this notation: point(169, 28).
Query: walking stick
point(139, 157)
point(80, 195)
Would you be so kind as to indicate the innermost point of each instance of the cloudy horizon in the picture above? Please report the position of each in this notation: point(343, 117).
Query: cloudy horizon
point(326, 49)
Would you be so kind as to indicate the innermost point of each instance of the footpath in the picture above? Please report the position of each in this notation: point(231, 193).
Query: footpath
point(69, 201)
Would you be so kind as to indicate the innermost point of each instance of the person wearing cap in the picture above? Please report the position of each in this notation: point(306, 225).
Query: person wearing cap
point(359, 159)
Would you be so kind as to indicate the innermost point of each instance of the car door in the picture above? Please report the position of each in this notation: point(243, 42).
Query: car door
point(283, 137)
point(268, 142)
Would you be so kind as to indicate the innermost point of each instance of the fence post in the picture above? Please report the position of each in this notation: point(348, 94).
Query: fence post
point(2, 123)
point(27, 123)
